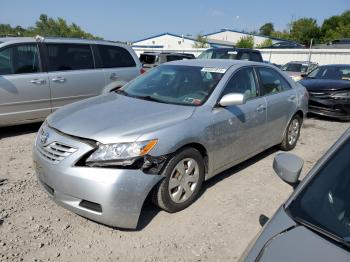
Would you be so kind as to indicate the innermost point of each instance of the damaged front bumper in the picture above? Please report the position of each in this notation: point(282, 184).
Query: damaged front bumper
point(110, 196)
point(324, 104)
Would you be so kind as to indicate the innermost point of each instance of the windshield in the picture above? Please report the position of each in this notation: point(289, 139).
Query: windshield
point(325, 202)
point(295, 67)
point(331, 72)
point(218, 54)
point(175, 84)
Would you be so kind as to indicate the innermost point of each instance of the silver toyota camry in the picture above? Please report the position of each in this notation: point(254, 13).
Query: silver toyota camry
point(163, 134)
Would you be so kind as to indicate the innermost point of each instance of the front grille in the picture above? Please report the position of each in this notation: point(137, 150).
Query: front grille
point(56, 152)
point(321, 95)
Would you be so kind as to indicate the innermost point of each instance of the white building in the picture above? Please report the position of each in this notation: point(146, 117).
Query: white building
point(233, 36)
point(168, 41)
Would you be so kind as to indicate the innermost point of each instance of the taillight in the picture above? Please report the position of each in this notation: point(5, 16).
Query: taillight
point(142, 71)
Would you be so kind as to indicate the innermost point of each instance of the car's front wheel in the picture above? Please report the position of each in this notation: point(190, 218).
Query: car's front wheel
point(184, 176)
point(292, 134)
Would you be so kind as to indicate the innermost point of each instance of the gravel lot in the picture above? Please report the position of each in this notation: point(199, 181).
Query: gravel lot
point(217, 227)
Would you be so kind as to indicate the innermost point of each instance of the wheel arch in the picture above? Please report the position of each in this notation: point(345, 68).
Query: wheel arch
point(201, 149)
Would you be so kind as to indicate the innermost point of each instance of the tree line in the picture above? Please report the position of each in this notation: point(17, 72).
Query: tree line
point(305, 29)
point(301, 31)
point(47, 26)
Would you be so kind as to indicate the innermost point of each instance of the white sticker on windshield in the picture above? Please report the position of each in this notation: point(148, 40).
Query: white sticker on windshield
point(214, 70)
point(232, 52)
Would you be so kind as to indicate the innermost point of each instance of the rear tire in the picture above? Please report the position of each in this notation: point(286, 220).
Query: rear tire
point(292, 134)
point(184, 176)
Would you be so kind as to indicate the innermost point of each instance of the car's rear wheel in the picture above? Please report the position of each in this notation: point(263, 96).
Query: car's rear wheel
point(184, 175)
point(292, 134)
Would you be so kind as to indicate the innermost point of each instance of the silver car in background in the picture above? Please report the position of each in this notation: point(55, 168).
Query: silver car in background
point(164, 133)
point(39, 75)
point(314, 223)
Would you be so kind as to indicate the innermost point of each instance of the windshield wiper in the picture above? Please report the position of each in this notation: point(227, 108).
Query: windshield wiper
point(324, 232)
point(150, 98)
point(121, 92)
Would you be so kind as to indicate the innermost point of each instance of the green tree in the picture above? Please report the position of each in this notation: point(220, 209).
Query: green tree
point(201, 42)
point(305, 29)
point(245, 42)
point(47, 26)
point(265, 43)
point(336, 27)
point(267, 29)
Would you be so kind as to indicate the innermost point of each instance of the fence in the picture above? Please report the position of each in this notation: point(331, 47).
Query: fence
point(320, 56)
point(282, 56)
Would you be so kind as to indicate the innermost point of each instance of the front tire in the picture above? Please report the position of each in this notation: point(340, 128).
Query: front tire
point(292, 134)
point(184, 176)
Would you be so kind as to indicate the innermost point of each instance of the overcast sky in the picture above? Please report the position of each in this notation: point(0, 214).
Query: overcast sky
point(131, 20)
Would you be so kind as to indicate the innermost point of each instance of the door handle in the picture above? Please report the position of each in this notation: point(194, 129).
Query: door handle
point(38, 81)
point(59, 79)
point(292, 98)
point(113, 76)
point(260, 108)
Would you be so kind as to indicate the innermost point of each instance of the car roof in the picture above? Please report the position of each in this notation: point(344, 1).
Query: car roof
point(337, 65)
point(56, 40)
point(233, 49)
point(301, 62)
point(220, 63)
point(164, 53)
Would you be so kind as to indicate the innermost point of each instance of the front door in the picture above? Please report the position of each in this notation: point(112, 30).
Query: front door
point(24, 88)
point(237, 129)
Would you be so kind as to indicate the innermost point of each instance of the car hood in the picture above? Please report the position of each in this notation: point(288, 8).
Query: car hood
point(325, 84)
point(301, 244)
point(116, 118)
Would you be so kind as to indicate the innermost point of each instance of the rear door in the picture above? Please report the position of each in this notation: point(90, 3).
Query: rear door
point(72, 73)
point(281, 101)
point(24, 87)
point(118, 65)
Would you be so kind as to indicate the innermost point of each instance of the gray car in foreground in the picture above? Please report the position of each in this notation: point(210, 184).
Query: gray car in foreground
point(314, 223)
point(164, 134)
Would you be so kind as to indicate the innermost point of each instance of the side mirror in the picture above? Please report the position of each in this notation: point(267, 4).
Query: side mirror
point(303, 75)
point(288, 167)
point(232, 99)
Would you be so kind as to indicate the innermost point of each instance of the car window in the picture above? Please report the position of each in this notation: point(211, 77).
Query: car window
point(19, 59)
point(207, 54)
point(148, 59)
point(115, 56)
point(69, 57)
point(254, 56)
point(324, 202)
point(295, 67)
point(272, 82)
point(244, 56)
point(173, 58)
point(242, 82)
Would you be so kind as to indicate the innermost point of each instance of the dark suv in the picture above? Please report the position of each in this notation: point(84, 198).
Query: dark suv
point(153, 59)
point(232, 53)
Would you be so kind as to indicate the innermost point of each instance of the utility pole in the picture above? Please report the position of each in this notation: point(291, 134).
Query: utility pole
point(310, 49)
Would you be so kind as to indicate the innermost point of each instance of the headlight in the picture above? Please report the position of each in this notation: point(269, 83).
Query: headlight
point(120, 154)
point(342, 95)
